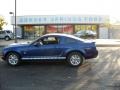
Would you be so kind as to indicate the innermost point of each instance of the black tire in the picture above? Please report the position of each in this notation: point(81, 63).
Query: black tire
point(10, 58)
point(75, 62)
point(7, 38)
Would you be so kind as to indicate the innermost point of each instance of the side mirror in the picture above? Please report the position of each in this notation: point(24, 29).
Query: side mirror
point(37, 44)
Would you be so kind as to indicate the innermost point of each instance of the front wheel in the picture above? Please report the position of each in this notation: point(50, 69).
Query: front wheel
point(75, 59)
point(7, 38)
point(13, 59)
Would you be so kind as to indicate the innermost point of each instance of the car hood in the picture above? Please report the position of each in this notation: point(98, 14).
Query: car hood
point(17, 45)
point(14, 44)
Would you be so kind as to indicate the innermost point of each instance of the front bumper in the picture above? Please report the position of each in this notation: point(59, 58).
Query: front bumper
point(2, 56)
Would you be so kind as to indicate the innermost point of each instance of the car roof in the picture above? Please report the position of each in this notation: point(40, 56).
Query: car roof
point(60, 34)
point(64, 35)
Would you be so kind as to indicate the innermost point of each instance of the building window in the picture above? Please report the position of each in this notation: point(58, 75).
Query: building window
point(68, 29)
point(51, 29)
point(86, 28)
point(83, 27)
point(28, 31)
point(94, 27)
point(32, 32)
point(39, 30)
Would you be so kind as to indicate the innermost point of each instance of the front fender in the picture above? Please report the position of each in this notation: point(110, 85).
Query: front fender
point(6, 51)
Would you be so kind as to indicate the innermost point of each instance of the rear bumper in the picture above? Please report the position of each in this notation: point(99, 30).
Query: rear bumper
point(92, 55)
point(96, 54)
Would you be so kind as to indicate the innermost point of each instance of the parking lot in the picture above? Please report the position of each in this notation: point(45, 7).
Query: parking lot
point(101, 73)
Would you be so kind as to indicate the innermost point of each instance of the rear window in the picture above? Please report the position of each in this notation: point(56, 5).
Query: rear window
point(50, 40)
point(69, 40)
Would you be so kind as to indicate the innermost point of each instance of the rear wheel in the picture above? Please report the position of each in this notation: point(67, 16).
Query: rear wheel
point(75, 59)
point(13, 59)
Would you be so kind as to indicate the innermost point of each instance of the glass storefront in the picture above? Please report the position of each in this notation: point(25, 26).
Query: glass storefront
point(86, 31)
point(86, 27)
point(33, 32)
point(68, 29)
point(39, 30)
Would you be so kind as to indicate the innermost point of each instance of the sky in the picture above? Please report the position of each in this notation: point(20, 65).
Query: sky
point(61, 7)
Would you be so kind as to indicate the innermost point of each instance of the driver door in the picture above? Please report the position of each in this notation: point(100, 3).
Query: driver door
point(45, 48)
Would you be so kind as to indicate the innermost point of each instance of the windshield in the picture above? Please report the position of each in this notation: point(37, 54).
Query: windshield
point(8, 31)
point(32, 42)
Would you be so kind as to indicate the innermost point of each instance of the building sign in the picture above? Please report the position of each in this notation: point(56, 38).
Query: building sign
point(54, 19)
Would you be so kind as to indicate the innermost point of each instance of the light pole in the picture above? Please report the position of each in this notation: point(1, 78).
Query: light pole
point(14, 28)
point(15, 22)
point(12, 13)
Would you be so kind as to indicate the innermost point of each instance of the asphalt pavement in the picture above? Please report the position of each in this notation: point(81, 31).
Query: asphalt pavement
point(101, 73)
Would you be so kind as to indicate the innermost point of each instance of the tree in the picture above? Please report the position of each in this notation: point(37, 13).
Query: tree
point(2, 22)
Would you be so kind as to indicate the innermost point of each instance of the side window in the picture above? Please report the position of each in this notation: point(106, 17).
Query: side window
point(69, 40)
point(50, 40)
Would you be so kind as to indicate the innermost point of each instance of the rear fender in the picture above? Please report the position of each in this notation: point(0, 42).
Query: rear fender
point(82, 52)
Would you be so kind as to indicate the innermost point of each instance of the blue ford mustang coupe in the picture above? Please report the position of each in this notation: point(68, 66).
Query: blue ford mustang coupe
point(53, 47)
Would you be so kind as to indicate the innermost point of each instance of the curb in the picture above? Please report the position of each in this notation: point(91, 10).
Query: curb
point(107, 45)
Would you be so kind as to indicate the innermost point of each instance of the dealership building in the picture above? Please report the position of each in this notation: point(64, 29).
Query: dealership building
point(31, 27)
